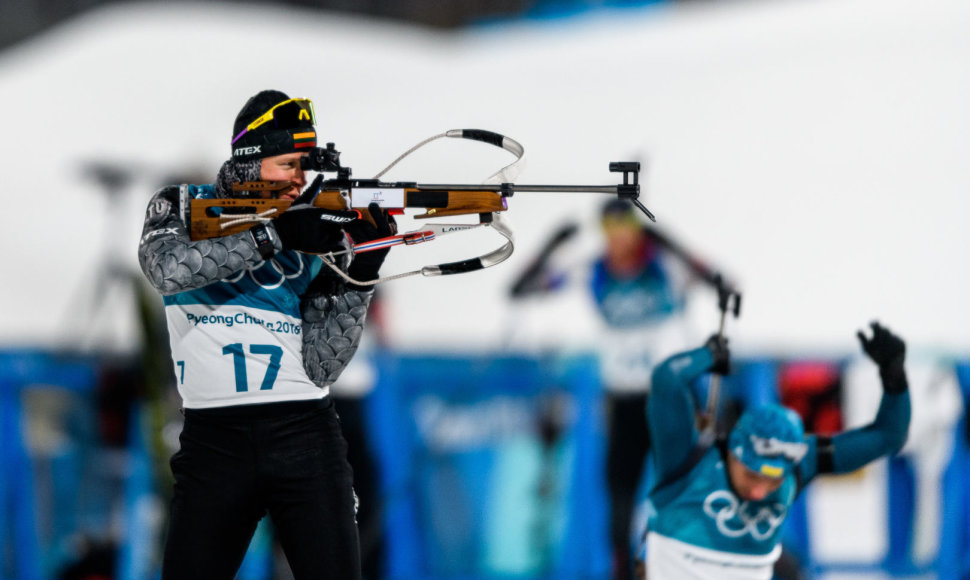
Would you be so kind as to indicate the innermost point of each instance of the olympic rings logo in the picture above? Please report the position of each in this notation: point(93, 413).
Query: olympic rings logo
point(734, 520)
point(270, 269)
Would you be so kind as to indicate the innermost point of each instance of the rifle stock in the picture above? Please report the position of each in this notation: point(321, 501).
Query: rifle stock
point(207, 216)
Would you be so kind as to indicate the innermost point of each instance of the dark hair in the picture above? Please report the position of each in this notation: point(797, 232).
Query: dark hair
point(616, 208)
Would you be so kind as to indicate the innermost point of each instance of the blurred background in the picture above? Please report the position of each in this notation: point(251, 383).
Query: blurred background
point(813, 152)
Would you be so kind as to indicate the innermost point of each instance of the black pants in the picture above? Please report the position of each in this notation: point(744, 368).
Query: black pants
point(628, 443)
point(366, 485)
point(238, 463)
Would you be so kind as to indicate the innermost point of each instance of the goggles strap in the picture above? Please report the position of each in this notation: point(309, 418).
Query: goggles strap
point(269, 115)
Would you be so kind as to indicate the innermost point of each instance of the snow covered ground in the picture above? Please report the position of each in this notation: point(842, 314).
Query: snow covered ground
point(816, 151)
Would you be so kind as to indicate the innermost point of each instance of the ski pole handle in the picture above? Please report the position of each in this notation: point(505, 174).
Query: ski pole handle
point(714, 393)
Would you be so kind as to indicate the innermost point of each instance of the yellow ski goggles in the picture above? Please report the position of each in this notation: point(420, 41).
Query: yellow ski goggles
point(289, 114)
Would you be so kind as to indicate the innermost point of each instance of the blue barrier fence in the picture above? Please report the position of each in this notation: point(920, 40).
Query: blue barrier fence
point(26, 551)
point(491, 467)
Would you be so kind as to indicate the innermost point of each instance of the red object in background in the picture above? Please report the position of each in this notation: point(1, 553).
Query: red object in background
point(120, 383)
point(814, 390)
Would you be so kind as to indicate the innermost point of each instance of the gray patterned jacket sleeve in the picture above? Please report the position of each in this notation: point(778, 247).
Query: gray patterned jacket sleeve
point(333, 322)
point(173, 263)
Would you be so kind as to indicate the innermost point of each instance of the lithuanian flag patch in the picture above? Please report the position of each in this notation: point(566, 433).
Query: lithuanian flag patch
point(308, 139)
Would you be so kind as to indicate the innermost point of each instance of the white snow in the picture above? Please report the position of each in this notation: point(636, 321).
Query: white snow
point(816, 151)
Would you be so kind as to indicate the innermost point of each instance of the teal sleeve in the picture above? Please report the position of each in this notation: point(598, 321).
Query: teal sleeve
point(855, 448)
point(671, 411)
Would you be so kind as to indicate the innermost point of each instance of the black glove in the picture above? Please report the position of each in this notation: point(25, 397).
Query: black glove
point(366, 265)
point(309, 229)
point(718, 345)
point(888, 351)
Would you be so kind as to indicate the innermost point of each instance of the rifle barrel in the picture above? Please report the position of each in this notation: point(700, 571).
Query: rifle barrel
point(515, 187)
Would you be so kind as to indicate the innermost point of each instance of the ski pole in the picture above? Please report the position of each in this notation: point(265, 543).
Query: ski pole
point(724, 303)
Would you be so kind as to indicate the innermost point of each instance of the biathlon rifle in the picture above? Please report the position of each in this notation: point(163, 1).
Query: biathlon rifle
point(258, 201)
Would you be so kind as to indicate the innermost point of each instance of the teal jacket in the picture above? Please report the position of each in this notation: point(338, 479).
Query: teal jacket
point(692, 500)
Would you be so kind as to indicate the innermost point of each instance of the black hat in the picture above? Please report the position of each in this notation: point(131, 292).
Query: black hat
point(617, 208)
point(288, 131)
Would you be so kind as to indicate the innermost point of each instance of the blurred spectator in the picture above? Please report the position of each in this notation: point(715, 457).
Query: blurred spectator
point(639, 289)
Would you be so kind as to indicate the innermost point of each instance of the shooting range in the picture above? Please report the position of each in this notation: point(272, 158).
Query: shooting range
point(814, 152)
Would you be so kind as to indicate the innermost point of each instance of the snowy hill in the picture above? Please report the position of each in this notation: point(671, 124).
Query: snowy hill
point(816, 151)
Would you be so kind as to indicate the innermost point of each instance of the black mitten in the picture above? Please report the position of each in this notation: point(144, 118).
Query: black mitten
point(366, 265)
point(888, 351)
point(309, 229)
point(718, 345)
